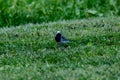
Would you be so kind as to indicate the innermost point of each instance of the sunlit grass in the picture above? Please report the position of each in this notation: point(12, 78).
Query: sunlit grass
point(30, 52)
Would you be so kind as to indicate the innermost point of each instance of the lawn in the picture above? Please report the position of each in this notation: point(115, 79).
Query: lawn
point(29, 52)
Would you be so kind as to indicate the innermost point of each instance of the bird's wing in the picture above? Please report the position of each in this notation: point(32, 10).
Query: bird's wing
point(63, 39)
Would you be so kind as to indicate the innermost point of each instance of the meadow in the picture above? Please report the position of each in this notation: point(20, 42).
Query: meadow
point(29, 52)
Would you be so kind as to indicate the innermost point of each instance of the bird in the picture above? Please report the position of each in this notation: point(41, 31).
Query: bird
point(60, 39)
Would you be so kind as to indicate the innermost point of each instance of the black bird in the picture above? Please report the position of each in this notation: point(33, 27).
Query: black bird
point(61, 40)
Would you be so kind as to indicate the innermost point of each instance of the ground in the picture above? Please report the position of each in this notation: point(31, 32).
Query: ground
point(29, 52)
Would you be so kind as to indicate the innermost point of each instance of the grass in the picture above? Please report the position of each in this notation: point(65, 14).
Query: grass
point(29, 52)
point(16, 12)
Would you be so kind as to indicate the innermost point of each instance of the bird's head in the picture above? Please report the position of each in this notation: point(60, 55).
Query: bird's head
point(58, 36)
point(58, 32)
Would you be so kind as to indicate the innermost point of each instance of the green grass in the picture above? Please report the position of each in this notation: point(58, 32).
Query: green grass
point(16, 12)
point(29, 52)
